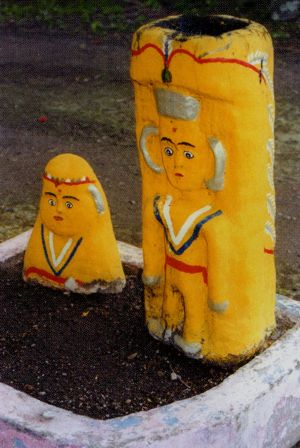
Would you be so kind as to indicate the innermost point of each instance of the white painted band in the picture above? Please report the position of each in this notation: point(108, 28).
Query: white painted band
point(59, 259)
point(146, 132)
point(270, 149)
point(270, 176)
point(216, 183)
point(271, 116)
point(186, 225)
point(97, 198)
point(271, 205)
point(270, 230)
point(218, 307)
point(176, 105)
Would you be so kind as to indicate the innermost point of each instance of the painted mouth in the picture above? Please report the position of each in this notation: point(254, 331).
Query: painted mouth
point(58, 218)
point(178, 174)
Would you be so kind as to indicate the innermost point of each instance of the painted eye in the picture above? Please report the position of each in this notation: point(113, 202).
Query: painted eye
point(69, 204)
point(168, 151)
point(188, 154)
point(52, 202)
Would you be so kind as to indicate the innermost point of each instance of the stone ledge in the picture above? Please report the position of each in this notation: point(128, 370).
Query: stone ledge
point(256, 406)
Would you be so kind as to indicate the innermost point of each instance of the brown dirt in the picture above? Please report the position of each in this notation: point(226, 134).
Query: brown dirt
point(84, 354)
point(82, 85)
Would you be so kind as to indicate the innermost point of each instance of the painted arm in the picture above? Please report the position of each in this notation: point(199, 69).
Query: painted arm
point(153, 248)
point(219, 247)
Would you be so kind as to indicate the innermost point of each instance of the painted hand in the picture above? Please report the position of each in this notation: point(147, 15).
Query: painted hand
point(218, 307)
point(151, 281)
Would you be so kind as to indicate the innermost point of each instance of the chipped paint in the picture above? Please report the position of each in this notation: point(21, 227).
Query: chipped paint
point(127, 422)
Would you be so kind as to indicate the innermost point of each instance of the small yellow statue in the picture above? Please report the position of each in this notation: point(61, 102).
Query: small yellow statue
point(204, 124)
point(72, 246)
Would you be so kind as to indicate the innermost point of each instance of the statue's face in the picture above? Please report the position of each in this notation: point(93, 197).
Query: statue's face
point(67, 210)
point(187, 157)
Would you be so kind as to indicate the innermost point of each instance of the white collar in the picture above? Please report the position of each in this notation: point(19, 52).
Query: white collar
point(61, 256)
point(186, 225)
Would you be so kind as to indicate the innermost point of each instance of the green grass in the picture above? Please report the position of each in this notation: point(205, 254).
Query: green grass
point(81, 15)
point(259, 10)
point(101, 16)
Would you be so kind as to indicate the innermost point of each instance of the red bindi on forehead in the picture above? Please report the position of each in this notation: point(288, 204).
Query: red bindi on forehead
point(174, 129)
point(59, 190)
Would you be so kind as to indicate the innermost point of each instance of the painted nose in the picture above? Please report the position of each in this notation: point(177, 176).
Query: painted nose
point(59, 207)
point(178, 159)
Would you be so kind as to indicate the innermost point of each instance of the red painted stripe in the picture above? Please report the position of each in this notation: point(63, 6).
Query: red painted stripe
point(188, 268)
point(42, 273)
point(145, 47)
point(68, 183)
point(198, 60)
point(211, 60)
point(234, 61)
point(182, 51)
point(268, 251)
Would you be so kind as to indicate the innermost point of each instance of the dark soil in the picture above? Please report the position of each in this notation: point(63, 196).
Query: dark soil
point(92, 354)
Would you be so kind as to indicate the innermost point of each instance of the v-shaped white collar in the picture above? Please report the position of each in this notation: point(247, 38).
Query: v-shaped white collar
point(61, 256)
point(187, 224)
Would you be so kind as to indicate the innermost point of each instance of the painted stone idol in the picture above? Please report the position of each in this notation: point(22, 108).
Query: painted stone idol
point(204, 122)
point(72, 246)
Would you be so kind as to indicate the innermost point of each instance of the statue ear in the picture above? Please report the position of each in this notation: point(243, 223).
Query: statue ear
point(146, 131)
point(97, 198)
point(216, 183)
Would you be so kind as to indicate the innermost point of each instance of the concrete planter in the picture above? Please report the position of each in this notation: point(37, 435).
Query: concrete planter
point(259, 405)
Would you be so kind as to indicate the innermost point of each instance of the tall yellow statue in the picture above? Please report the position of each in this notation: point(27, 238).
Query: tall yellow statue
point(72, 246)
point(204, 123)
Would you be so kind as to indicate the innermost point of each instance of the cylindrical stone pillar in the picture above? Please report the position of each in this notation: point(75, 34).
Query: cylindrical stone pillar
point(204, 123)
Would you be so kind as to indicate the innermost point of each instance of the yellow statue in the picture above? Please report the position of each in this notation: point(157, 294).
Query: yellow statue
point(204, 123)
point(72, 246)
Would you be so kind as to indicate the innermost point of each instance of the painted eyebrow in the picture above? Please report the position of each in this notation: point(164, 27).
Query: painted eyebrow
point(50, 194)
point(166, 139)
point(70, 197)
point(186, 144)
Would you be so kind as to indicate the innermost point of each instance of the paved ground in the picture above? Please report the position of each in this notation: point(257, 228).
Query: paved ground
point(82, 85)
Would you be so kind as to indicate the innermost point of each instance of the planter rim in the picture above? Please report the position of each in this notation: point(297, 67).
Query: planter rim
point(221, 404)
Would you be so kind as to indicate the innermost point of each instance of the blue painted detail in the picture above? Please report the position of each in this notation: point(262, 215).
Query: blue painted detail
point(195, 234)
point(126, 422)
point(156, 211)
point(196, 231)
point(19, 444)
point(171, 420)
point(57, 273)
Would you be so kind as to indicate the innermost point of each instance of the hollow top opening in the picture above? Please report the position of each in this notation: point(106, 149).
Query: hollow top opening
point(194, 25)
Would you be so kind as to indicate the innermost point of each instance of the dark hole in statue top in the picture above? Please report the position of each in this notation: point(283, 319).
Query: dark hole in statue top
point(194, 25)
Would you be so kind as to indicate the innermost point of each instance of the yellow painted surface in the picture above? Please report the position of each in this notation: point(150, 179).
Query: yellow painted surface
point(72, 245)
point(210, 292)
